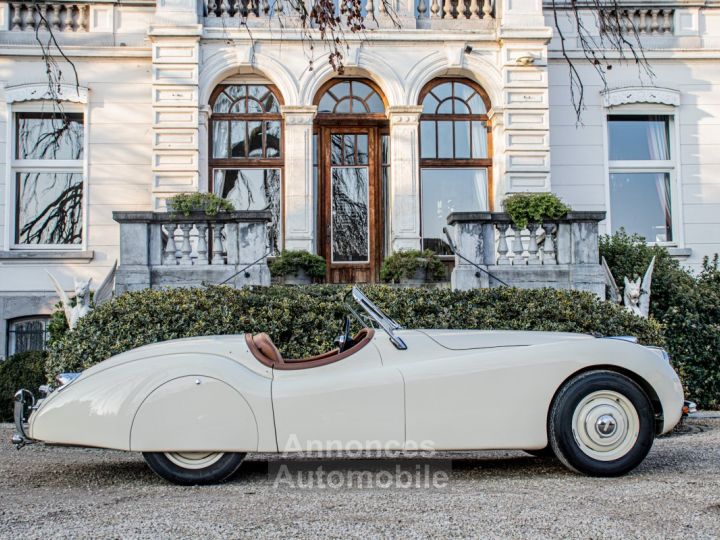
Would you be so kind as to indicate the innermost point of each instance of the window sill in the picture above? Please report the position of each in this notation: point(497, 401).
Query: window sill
point(44, 255)
point(679, 253)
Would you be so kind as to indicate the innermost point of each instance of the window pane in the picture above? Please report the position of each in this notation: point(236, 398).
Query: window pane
point(239, 107)
point(220, 139)
point(479, 140)
point(350, 214)
point(384, 149)
point(336, 149)
point(442, 91)
point(253, 189)
point(445, 191)
point(49, 208)
point(255, 148)
point(375, 103)
point(327, 104)
point(272, 138)
point(49, 136)
point(445, 107)
point(254, 106)
point(237, 142)
point(639, 137)
point(361, 90)
point(222, 104)
point(362, 149)
point(462, 140)
point(429, 104)
point(27, 335)
point(445, 139)
point(236, 91)
point(640, 203)
point(343, 106)
point(427, 139)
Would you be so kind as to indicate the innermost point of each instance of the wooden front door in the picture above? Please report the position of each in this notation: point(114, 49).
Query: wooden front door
point(350, 221)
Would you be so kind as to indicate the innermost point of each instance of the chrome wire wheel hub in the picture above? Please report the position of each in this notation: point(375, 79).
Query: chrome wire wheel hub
point(605, 425)
point(194, 460)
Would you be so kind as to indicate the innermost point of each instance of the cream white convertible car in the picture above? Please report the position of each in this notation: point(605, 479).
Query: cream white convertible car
point(195, 407)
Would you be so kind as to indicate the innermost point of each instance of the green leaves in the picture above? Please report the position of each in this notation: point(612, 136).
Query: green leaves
point(22, 370)
point(524, 208)
point(187, 203)
point(404, 265)
point(289, 262)
point(303, 321)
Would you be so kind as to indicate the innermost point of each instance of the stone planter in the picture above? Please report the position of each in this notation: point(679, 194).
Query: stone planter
point(299, 278)
point(418, 278)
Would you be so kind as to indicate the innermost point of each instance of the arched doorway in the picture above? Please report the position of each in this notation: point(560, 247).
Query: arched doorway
point(352, 164)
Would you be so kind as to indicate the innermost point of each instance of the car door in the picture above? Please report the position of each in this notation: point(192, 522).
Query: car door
point(354, 403)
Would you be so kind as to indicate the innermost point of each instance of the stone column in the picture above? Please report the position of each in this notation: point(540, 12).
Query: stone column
point(404, 192)
point(175, 35)
point(300, 189)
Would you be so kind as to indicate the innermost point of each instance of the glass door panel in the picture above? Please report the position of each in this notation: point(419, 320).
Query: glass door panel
point(350, 231)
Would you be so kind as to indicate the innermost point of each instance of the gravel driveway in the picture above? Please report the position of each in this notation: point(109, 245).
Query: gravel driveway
point(68, 492)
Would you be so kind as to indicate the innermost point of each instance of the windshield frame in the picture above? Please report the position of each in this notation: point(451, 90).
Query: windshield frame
point(376, 314)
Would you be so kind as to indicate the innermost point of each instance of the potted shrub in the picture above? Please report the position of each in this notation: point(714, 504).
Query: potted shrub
point(524, 208)
point(298, 267)
point(412, 267)
point(209, 203)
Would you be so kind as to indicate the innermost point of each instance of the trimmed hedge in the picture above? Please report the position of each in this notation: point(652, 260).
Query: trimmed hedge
point(22, 370)
point(303, 321)
point(687, 305)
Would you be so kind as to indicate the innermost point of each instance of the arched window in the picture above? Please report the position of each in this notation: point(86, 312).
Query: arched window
point(454, 155)
point(351, 97)
point(246, 156)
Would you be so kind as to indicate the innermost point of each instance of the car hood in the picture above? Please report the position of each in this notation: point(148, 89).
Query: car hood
point(485, 339)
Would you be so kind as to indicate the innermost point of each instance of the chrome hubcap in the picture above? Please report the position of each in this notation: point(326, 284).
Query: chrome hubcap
point(194, 460)
point(605, 425)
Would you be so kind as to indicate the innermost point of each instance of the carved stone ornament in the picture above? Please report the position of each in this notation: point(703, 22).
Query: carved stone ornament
point(41, 91)
point(404, 114)
point(298, 114)
point(639, 94)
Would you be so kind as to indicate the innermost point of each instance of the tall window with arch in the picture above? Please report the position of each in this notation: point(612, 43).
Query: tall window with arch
point(246, 151)
point(455, 157)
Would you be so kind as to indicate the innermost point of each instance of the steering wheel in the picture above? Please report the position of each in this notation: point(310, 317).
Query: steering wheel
point(343, 340)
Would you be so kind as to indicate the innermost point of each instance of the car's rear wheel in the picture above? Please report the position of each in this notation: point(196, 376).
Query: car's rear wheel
point(194, 468)
point(602, 424)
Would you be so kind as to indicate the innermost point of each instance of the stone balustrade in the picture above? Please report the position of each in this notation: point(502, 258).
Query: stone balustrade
point(644, 21)
point(160, 249)
point(424, 11)
point(57, 16)
point(560, 254)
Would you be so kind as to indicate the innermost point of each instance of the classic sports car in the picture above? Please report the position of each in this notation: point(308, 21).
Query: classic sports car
point(195, 407)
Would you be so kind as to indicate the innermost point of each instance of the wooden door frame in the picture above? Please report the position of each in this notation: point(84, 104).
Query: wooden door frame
point(375, 128)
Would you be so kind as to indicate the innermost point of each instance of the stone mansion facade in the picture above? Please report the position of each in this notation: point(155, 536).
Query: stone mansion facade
point(449, 112)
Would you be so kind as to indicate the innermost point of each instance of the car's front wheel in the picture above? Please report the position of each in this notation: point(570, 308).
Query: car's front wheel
point(601, 423)
point(194, 468)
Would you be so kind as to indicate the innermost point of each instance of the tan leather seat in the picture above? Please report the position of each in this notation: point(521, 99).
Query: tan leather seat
point(262, 348)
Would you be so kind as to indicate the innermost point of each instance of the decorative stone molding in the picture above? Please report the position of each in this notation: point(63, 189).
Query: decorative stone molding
point(404, 114)
point(298, 114)
point(41, 91)
point(639, 94)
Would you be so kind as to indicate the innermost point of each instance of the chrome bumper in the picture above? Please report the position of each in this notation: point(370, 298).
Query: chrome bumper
point(24, 404)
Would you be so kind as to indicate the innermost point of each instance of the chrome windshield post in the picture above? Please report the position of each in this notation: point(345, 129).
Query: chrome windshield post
point(377, 315)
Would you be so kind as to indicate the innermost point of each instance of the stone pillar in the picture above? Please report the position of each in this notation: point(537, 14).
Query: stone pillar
point(175, 35)
point(526, 157)
point(474, 240)
point(404, 192)
point(300, 186)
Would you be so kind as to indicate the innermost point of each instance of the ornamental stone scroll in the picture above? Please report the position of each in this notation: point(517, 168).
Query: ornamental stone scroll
point(639, 94)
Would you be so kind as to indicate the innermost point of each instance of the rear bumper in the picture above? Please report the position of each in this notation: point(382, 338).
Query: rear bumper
point(24, 405)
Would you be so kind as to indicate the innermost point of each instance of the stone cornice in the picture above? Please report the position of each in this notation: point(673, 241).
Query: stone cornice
point(404, 114)
point(298, 114)
point(640, 94)
point(41, 91)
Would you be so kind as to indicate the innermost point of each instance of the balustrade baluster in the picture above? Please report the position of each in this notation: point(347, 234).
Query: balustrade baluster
point(654, 26)
point(629, 19)
point(16, 22)
point(169, 257)
point(487, 9)
point(642, 25)
point(251, 8)
point(210, 7)
point(84, 18)
point(549, 244)
point(474, 9)
point(502, 248)
point(225, 8)
point(68, 21)
point(370, 8)
point(202, 246)
point(435, 9)
point(55, 17)
point(518, 248)
point(382, 8)
point(448, 10)
point(421, 9)
point(667, 21)
point(265, 7)
point(29, 17)
point(533, 257)
point(186, 248)
point(217, 251)
point(42, 20)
